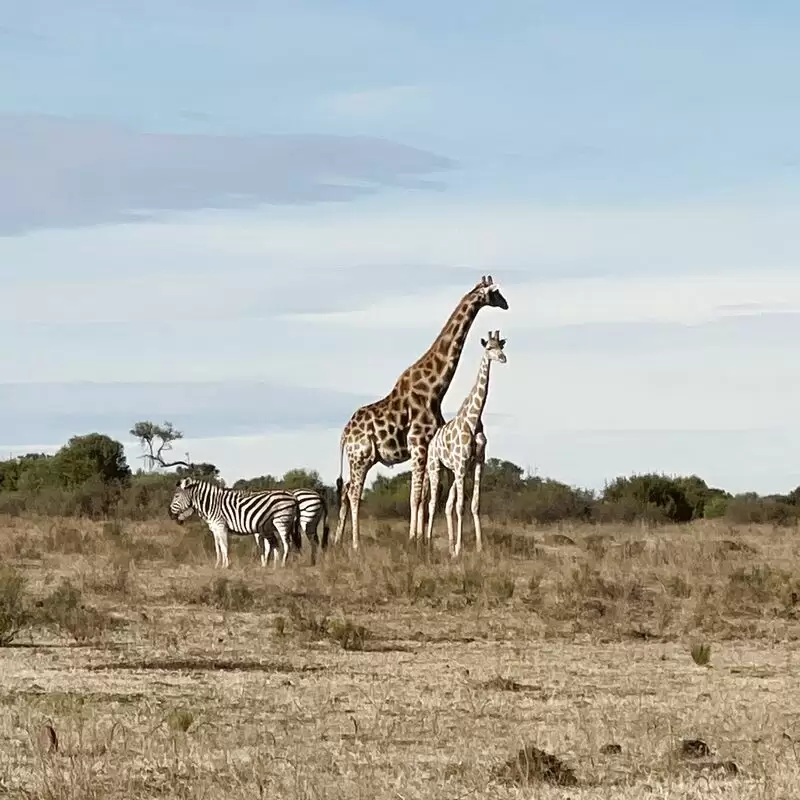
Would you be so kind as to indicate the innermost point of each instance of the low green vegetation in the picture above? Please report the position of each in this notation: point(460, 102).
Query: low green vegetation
point(90, 477)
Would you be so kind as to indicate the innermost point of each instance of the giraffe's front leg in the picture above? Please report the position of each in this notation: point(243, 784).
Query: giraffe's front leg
point(458, 483)
point(480, 457)
point(419, 457)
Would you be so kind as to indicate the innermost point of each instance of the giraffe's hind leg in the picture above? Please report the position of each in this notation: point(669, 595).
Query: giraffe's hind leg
point(419, 458)
point(344, 512)
point(448, 512)
point(432, 473)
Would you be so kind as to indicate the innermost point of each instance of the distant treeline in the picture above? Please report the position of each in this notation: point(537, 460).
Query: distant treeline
point(90, 476)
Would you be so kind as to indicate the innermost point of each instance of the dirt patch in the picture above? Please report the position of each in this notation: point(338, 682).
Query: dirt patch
point(203, 665)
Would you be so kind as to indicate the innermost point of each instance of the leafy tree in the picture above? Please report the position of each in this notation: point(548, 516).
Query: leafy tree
point(12, 470)
point(502, 475)
point(94, 455)
point(303, 479)
point(260, 484)
point(650, 496)
point(389, 497)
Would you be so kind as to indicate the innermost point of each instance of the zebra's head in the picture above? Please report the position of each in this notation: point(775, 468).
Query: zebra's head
point(181, 506)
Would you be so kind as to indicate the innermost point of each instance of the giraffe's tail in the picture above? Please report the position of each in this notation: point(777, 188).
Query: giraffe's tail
point(339, 481)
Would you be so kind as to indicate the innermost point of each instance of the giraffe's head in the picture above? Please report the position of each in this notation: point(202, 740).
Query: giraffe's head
point(181, 506)
point(489, 293)
point(493, 347)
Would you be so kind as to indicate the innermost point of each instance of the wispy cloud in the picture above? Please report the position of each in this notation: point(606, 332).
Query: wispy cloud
point(377, 102)
point(65, 172)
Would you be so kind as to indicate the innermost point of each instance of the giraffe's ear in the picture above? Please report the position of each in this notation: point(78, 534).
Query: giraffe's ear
point(502, 343)
point(483, 342)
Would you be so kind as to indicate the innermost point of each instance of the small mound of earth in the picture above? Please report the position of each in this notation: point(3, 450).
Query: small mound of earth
point(532, 765)
point(713, 767)
point(611, 749)
point(694, 748)
point(695, 756)
point(560, 538)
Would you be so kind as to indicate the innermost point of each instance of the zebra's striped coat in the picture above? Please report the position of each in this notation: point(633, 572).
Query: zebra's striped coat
point(312, 510)
point(260, 514)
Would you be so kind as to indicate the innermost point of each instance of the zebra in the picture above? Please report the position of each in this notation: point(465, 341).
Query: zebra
point(240, 512)
point(312, 510)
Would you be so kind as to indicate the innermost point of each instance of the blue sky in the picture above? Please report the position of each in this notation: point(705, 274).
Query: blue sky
point(248, 218)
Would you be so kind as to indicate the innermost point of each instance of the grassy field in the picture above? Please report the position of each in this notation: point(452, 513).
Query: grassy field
point(397, 674)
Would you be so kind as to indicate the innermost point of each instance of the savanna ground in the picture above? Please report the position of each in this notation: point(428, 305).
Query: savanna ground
point(395, 674)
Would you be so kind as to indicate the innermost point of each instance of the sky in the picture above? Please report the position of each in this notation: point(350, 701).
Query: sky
point(247, 218)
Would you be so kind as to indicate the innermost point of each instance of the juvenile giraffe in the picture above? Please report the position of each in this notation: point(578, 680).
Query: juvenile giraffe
point(400, 426)
point(459, 444)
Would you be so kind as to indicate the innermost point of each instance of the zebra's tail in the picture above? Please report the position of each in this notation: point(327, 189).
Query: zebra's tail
point(297, 536)
point(326, 529)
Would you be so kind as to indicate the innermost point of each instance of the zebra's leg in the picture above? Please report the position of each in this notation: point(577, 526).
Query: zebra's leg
point(265, 553)
point(223, 542)
point(285, 534)
point(216, 545)
point(312, 534)
point(220, 533)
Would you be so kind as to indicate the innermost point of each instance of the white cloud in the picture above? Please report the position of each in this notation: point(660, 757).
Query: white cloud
point(687, 299)
point(375, 102)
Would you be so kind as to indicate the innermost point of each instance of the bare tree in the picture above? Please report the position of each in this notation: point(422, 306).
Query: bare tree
point(156, 440)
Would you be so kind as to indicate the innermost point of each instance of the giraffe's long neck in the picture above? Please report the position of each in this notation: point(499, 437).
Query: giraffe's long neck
point(445, 352)
point(472, 408)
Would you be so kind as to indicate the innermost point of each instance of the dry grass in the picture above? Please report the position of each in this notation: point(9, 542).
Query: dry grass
point(579, 661)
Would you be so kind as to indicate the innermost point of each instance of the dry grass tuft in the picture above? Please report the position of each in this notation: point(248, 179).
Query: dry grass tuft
point(701, 654)
point(13, 613)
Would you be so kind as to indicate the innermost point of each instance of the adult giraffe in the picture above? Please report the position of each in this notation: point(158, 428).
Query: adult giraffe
point(401, 425)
